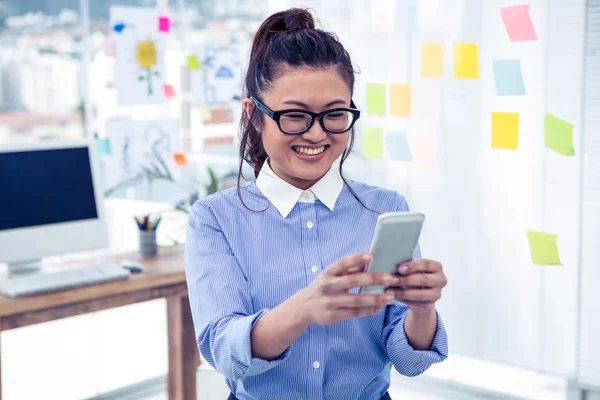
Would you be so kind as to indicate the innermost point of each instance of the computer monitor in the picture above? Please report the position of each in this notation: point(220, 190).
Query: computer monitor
point(50, 202)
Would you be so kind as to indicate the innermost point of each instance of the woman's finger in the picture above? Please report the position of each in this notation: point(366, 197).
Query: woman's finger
point(346, 282)
point(422, 280)
point(417, 266)
point(360, 301)
point(416, 295)
point(348, 262)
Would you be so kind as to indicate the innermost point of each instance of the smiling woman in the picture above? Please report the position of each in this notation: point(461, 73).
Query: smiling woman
point(289, 324)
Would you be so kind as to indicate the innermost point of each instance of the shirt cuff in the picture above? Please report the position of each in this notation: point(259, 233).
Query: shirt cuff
point(411, 362)
point(241, 348)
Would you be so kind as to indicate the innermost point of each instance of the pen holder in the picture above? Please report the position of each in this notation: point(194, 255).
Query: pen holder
point(148, 246)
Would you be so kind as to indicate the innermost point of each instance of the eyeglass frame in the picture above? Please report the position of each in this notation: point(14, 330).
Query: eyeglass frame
point(276, 115)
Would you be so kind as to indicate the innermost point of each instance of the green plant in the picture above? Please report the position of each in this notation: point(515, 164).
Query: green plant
point(156, 169)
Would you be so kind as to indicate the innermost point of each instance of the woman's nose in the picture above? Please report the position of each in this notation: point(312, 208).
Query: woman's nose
point(316, 133)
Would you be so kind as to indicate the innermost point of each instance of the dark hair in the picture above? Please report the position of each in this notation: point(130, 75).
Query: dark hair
point(287, 39)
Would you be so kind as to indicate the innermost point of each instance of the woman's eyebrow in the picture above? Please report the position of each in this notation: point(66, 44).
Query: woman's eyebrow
point(304, 105)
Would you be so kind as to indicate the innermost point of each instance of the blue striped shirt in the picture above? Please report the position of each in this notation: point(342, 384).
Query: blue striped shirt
point(242, 263)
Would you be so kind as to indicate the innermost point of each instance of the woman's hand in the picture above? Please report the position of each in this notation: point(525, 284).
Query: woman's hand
point(420, 285)
point(327, 300)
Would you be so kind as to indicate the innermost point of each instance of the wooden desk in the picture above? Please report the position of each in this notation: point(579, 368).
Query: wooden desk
point(164, 277)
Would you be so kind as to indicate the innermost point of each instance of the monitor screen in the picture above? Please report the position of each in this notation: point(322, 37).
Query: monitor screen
point(45, 187)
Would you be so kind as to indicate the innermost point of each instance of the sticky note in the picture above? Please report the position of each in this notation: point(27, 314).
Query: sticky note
point(180, 159)
point(543, 248)
point(103, 146)
point(376, 99)
point(193, 63)
point(408, 16)
point(558, 135)
point(397, 145)
point(373, 143)
point(465, 60)
point(518, 23)
point(423, 152)
point(205, 112)
point(169, 91)
point(505, 130)
point(426, 103)
point(164, 24)
point(432, 60)
point(400, 100)
point(509, 78)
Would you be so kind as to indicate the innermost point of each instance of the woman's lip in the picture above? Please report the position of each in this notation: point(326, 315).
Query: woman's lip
point(311, 158)
point(310, 147)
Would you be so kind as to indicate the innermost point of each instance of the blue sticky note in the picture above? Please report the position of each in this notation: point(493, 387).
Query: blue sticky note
point(509, 78)
point(398, 147)
point(408, 16)
point(103, 145)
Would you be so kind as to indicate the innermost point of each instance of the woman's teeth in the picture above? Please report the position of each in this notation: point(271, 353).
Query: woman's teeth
point(309, 151)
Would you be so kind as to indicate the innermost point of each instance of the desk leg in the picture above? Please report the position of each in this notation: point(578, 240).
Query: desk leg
point(183, 352)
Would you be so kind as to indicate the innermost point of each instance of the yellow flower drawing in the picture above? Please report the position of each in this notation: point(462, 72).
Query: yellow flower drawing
point(145, 54)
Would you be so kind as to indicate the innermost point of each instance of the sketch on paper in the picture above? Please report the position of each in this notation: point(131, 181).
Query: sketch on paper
point(139, 49)
point(139, 149)
point(216, 79)
point(145, 54)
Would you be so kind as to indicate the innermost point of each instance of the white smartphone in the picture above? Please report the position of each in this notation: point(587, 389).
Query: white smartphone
point(394, 242)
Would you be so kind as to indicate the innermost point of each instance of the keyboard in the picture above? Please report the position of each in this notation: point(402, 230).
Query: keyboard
point(30, 285)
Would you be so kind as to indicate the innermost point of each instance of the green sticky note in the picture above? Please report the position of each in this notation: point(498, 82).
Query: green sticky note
point(373, 143)
point(544, 248)
point(193, 62)
point(558, 135)
point(376, 99)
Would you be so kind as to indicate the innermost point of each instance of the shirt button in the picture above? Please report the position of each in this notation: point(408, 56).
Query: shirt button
point(314, 269)
point(309, 224)
point(316, 365)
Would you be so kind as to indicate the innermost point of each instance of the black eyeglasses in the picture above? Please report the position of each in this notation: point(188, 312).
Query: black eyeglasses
point(297, 122)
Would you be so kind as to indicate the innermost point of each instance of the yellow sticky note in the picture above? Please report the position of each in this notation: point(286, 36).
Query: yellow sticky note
point(193, 62)
point(505, 130)
point(432, 60)
point(373, 143)
point(558, 135)
point(544, 248)
point(400, 100)
point(376, 99)
point(205, 112)
point(465, 58)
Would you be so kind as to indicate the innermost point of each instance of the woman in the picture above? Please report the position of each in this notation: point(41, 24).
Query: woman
point(273, 266)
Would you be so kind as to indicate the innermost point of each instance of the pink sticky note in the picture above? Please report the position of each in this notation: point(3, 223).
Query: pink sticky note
point(164, 24)
point(169, 91)
point(423, 151)
point(518, 23)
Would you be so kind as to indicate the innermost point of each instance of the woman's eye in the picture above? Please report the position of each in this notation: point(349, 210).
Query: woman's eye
point(335, 115)
point(295, 116)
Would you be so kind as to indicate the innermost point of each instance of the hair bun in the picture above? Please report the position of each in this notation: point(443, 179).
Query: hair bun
point(297, 19)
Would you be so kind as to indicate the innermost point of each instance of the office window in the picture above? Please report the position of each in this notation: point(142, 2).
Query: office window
point(41, 91)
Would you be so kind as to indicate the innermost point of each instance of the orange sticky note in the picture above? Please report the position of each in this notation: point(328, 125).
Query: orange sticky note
point(400, 100)
point(180, 159)
point(169, 91)
point(505, 130)
point(432, 60)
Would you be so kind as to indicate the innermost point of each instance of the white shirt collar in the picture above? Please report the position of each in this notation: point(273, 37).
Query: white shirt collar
point(284, 196)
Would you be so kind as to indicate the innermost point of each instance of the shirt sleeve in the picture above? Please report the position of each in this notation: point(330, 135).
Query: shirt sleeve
point(404, 357)
point(220, 299)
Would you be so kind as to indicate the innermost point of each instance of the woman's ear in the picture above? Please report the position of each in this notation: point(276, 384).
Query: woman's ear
point(249, 107)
